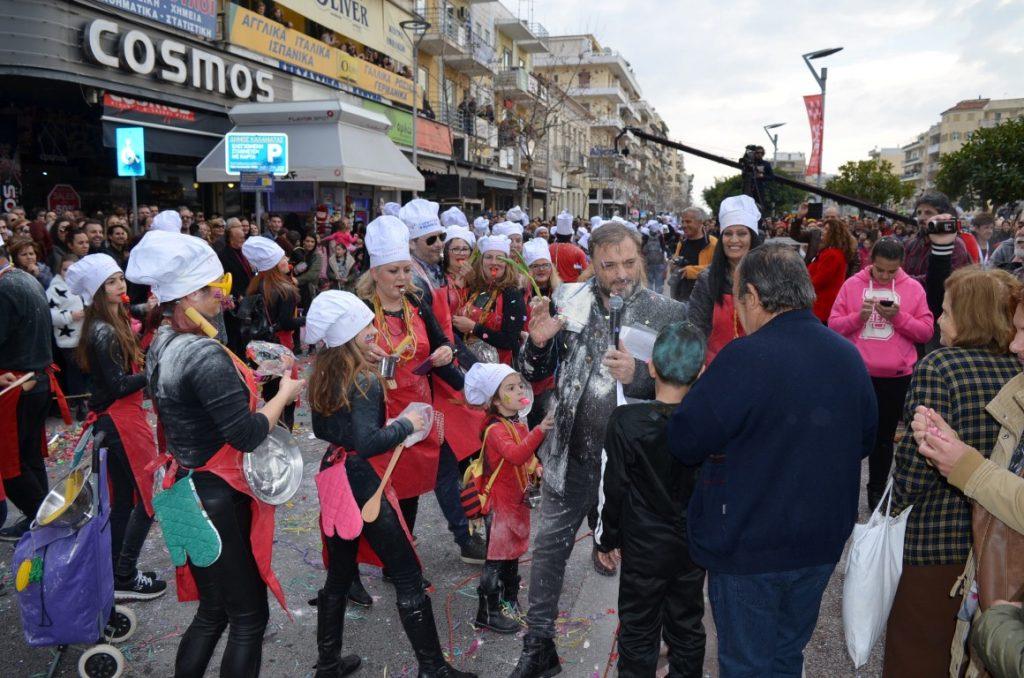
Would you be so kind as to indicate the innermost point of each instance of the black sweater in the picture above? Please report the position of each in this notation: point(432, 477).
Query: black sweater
point(110, 381)
point(201, 400)
point(360, 427)
point(26, 330)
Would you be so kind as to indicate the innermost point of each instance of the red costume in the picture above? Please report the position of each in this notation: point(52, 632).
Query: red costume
point(512, 446)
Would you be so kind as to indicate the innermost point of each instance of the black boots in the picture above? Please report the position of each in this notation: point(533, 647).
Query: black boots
point(418, 622)
point(330, 624)
point(490, 614)
point(509, 581)
point(358, 594)
point(538, 660)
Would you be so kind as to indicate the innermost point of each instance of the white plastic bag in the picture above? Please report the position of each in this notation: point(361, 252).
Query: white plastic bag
point(639, 341)
point(872, 574)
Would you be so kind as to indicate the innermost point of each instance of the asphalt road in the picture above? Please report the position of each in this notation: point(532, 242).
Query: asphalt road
point(586, 627)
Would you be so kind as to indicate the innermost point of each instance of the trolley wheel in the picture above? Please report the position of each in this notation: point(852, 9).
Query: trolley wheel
point(121, 626)
point(101, 661)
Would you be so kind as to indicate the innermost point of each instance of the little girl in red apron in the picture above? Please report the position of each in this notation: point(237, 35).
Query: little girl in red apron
point(280, 297)
point(206, 401)
point(494, 315)
point(109, 350)
point(508, 450)
point(349, 411)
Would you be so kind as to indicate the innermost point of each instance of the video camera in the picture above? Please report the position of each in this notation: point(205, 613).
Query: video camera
point(944, 227)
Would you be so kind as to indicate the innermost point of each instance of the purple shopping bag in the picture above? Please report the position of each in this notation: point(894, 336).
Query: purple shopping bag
point(70, 594)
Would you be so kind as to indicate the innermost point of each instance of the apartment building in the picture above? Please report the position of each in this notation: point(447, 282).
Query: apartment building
point(792, 163)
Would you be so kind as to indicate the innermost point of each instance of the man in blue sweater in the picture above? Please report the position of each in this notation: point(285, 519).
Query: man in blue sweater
point(780, 421)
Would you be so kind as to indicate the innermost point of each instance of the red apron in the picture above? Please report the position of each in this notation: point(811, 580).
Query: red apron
point(725, 326)
point(226, 464)
point(416, 472)
point(509, 515)
point(491, 320)
point(137, 439)
point(10, 458)
point(286, 339)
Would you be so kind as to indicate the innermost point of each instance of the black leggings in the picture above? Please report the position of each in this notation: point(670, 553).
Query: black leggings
point(386, 537)
point(129, 522)
point(231, 592)
point(28, 490)
point(890, 394)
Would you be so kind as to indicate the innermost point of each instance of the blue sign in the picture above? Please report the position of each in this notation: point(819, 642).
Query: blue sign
point(259, 152)
point(131, 152)
point(198, 17)
point(251, 182)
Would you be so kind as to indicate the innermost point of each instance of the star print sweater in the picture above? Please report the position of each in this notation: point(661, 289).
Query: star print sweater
point(62, 303)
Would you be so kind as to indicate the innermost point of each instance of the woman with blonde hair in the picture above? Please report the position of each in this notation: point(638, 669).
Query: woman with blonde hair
point(957, 381)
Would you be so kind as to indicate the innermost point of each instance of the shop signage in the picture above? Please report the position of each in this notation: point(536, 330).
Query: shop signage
point(254, 182)
point(433, 137)
point(261, 152)
point(131, 152)
point(298, 53)
point(198, 17)
point(63, 198)
point(172, 61)
point(401, 122)
point(364, 21)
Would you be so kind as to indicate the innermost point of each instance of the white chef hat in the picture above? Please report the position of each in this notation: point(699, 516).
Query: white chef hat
point(507, 228)
point(516, 214)
point(535, 250)
point(483, 380)
point(453, 216)
point(335, 317)
point(387, 241)
point(584, 241)
point(168, 220)
point(645, 230)
point(495, 243)
point(460, 233)
point(596, 223)
point(563, 223)
point(263, 253)
point(739, 210)
point(391, 209)
point(87, 275)
point(582, 230)
point(173, 265)
point(421, 217)
point(481, 226)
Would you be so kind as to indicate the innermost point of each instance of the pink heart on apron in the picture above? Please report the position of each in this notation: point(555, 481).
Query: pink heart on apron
point(339, 512)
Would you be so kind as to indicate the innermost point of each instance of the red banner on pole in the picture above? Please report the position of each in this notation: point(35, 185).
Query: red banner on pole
point(816, 118)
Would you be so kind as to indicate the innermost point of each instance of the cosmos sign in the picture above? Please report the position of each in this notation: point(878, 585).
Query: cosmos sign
point(174, 62)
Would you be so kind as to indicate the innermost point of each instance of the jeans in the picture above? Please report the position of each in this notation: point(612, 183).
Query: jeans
point(28, 490)
point(386, 537)
point(232, 594)
point(656, 277)
point(890, 394)
point(765, 620)
point(560, 517)
point(129, 522)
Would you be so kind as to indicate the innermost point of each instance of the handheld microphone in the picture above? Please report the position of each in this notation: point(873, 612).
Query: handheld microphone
point(614, 320)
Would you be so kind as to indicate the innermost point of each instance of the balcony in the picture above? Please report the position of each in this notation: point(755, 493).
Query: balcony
point(608, 122)
point(616, 93)
point(478, 59)
point(570, 159)
point(933, 149)
point(446, 36)
point(516, 84)
point(530, 38)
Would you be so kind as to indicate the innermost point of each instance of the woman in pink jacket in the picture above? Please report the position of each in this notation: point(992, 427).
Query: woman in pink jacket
point(884, 312)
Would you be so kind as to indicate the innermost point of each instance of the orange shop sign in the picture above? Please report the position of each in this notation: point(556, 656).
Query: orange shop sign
point(433, 137)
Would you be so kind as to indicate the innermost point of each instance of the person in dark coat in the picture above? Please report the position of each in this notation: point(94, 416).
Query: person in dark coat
point(235, 263)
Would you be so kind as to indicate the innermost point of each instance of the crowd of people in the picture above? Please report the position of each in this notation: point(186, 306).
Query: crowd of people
point(778, 356)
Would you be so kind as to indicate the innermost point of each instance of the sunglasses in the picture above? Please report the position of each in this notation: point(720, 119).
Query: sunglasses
point(431, 240)
point(222, 284)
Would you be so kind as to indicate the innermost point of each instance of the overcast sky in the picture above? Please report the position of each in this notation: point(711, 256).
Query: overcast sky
point(718, 71)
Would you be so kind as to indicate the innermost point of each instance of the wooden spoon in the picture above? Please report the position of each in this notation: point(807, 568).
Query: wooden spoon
point(371, 509)
point(21, 380)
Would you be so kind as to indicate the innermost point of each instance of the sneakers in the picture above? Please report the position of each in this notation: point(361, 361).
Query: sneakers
point(474, 550)
point(142, 587)
point(15, 531)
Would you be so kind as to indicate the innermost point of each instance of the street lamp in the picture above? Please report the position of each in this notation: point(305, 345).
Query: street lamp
point(820, 78)
point(414, 30)
point(774, 138)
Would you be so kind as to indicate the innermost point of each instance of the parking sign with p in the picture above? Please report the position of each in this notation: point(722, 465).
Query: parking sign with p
point(259, 152)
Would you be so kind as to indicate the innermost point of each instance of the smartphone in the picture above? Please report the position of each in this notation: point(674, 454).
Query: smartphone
point(423, 368)
point(815, 210)
point(885, 302)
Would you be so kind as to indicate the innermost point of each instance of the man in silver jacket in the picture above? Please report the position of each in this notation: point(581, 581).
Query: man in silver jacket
point(574, 346)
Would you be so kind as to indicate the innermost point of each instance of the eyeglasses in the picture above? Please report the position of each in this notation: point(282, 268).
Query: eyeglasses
point(431, 240)
point(459, 250)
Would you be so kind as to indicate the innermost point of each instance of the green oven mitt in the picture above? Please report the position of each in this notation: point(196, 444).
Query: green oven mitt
point(187, 529)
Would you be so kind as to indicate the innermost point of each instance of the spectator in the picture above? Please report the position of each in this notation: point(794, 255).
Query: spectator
point(94, 229)
point(712, 307)
point(999, 639)
point(117, 244)
point(25, 255)
point(984, 229)
point(307, 270)
point(931, 258)
point(768, 519)
point(884, 312)
point(834, 261)
point(78, 242)
point(653, 251)
point(235, 263)
point(693, 253)
point(67, 312)
point(217, 229)
point(956, 381)
point(59, 231)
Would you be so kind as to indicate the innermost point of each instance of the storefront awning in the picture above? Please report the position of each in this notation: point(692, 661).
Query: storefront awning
point(328, 141)
point(501, 183)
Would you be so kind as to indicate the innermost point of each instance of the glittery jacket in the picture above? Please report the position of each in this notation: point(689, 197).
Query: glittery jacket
point(584, 390)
